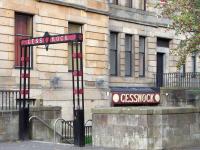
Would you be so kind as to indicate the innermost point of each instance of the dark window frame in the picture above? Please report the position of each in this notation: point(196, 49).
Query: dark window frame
point(145, 5)
point(128, 52)
point(183, 70)
point(115, 2)
point(140, 52)
point(130, 4)
point(194, 63)
point(115, 54)
point(24, 36)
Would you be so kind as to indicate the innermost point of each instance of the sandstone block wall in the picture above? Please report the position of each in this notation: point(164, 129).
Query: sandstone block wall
point(146, 127)
point(180, 96)
point(9, 123)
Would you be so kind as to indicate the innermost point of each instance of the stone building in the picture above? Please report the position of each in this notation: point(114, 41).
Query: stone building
point(123, 40)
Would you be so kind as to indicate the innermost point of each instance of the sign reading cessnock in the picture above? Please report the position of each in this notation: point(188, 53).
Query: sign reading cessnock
point(62, 38)
point(133, 98)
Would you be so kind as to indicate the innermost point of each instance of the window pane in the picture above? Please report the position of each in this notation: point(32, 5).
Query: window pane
point(142, 56)
point(128, 42)
point(163, 42)
point(194, 64)
point(182, 69)
point(23, 30)
point(113, 62)
point(141, 64)
point(142, 44)
point(113, 53)
point(128, 65)
point(128, 3)
point(113, 41)
point(72, 28)
point(128, 55)
point(113, 1)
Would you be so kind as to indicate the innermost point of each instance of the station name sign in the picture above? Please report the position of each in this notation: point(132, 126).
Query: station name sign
point(61, 38)
point(133, 98)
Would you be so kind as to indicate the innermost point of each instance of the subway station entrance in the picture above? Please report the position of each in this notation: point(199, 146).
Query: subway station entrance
point(26, 45)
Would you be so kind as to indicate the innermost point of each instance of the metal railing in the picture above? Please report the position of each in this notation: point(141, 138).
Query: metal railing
point(88, 132)
point(183, 80)
point(48, 126)
point(8, 99)
point(67, 131)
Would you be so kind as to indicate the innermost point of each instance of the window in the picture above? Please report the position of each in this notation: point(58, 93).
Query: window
point(128, 3)
point(182, 70)
point(145, 5)
point(194, 63)
point(142, 4)
point(114, 2)
point(23, 29)
point(128, 55)
point(161, 42)
point(113, 53)
point(142, 56)
point(72, 28)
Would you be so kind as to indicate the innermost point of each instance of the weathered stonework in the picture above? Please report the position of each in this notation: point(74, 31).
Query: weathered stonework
point(132, 128)
point(180, 96)
point(9, 123)
point(98, 18)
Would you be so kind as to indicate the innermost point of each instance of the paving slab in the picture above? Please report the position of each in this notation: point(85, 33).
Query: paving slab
point(37, 145)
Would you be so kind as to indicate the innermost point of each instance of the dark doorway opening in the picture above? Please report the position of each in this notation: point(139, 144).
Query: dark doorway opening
point(159, 71)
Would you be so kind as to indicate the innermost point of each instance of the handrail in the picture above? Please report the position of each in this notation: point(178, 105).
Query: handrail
point(54, 129)
point(42, 121)
point(55, 122)
point(90, 120)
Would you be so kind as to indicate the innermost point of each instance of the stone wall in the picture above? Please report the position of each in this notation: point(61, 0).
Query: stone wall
point(146, 127)
point(180, 96)
point(97, 18)
point(9, 123)
point(38, 130)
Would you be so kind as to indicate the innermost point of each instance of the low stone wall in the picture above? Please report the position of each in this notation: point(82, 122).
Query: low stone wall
point(48, 114)
point(9, 123)
point(180, 96)
point(146, 127)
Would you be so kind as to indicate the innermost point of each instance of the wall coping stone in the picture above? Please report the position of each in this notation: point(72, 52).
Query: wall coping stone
point(146, 110)
point(178, 88)
point(45, 108)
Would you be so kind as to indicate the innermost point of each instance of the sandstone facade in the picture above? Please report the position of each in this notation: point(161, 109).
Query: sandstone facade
point(97, 18)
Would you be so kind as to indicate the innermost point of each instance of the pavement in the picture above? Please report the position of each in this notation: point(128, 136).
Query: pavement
point(38, 145)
